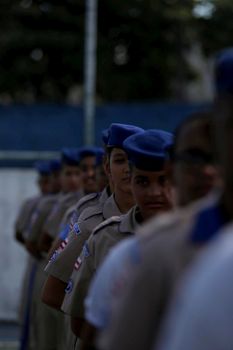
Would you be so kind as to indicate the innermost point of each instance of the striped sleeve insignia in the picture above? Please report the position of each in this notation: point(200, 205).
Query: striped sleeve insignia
point(77, 264)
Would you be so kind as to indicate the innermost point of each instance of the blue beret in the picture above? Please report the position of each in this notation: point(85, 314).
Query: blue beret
point(87, 151)
point(43, 167)
point(70, 156)
point(119, 132)
point(224, 71)
point(148, 150)
point(105, 136)
point(55, 165)
point(99, 155)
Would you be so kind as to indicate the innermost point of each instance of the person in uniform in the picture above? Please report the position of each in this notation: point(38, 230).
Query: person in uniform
point(21, 229)
point(148, 154)
point(112, 278)
point(71, 192)
point(61, 266)
point(113, 230)
point(68, 221)
point(43, 209)
point(29, 205)
point(45, 325)
point(209, 284)
point(200, 316)
point(169, 247)
point(89, 199)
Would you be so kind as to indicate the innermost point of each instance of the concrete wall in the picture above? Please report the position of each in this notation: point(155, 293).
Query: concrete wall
point(15, 186)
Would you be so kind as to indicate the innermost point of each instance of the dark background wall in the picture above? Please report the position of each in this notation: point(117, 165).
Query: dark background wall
point(51, 127)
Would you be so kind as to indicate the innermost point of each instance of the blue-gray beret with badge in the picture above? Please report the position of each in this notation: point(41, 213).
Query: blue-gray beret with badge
point(70, 156)
point(149, 150)
point(119, 132)
point(43, 167)
point(55, 165)
point(105, 136)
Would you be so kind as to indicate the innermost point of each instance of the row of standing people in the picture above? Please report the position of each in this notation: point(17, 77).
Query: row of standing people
point(120, 291)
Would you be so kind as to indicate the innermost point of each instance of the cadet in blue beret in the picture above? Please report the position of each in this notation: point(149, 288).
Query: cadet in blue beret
point(70, 173)
point(87, 156)
point(148, 153)
point(44, 229)
point(70, 156)
point(55, 166)
point(44, 171)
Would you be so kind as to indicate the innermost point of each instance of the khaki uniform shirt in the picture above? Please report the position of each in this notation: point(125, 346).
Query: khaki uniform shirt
point(62, 263)
point(25, 213)
point(159, 259)
point(72, 214)
point(103, 238)
point(40, 215)
point(52, 224)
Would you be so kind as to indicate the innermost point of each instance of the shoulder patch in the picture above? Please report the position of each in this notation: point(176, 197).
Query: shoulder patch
point(108, 222)
point(86, 250)
point(76, 229)
point(54, 256)
point(69, 287)
point(87, 198)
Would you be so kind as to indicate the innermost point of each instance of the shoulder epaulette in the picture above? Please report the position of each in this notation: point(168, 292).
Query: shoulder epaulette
point(87, 198)
point(90, 212)
point(107, 222)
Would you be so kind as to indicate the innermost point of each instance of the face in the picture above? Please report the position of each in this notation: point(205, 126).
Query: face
point(101, 178)
point(71, 178)
point(119, 172)
point(89, 174)
point(45, 184)
point(152, 192)
point(56, 181)
point(195, 173)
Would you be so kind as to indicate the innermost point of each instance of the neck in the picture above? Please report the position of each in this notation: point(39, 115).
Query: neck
point(124, 201)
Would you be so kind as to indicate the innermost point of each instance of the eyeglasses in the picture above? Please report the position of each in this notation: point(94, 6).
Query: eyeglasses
point(194, 157)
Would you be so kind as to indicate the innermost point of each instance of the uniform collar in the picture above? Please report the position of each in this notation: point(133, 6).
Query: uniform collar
point(110, 208)
point(129, 223)
point(104, 195)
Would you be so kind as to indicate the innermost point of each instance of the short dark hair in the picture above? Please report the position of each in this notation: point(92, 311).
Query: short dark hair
point(204, 118)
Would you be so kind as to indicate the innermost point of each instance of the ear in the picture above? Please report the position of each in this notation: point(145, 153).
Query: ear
point(169, 170)
point(106, 166)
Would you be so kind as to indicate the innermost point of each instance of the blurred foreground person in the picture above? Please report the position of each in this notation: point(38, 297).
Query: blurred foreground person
point(201, 316)
point(151, 187)
point(156, 261)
